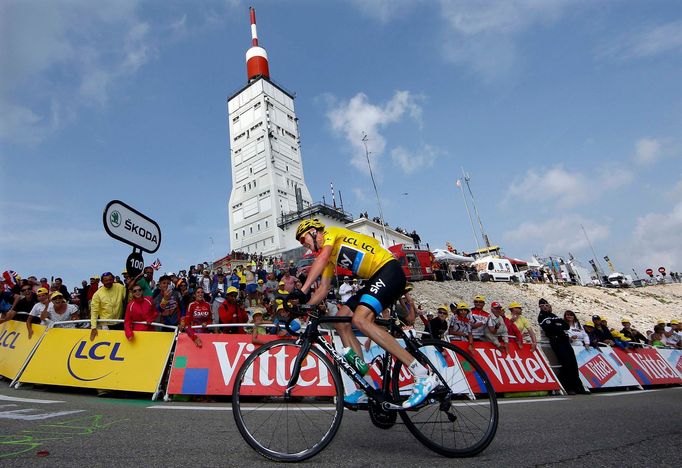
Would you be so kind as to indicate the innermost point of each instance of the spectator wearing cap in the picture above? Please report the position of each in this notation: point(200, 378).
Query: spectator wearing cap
point(630, 332)
point(139, 309)
point(242, 280)
point(522, 324)
point(480, 317)
point(438, 325)
point(44, 284)
point(146, 280)
point(261, 272)
point(555, 330)
point(260, 291)
point(40, 309)
point(186, 295)
point(406, 308)
point(460, 327)
point(258, 331)
point(603, 332)
point(575, 331)
point(107, 304)
point(345, 290)
point(281, 289)
point(232, 312)
point(671, 339)
point(292, 268)
point(591, 334)
point(355, 284)
point(495, 330)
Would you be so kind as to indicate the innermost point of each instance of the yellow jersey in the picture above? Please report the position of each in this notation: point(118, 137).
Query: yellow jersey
point(361, 254)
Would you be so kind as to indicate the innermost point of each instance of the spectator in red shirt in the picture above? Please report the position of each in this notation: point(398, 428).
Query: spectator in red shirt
point(139, 309)
point(92, 289)
point(198, 313)
point(231, 311)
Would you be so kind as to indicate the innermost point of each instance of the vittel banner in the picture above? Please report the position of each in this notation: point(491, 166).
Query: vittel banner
point(518, 371)
point(211, 369)
point(602, 368)
point(674, 358)
point(648, 366)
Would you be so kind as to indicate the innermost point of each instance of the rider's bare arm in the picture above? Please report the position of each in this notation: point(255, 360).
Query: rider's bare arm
point(321, 291)
point(317, 268)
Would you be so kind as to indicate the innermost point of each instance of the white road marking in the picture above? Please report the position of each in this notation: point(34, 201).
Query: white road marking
point(27, 400)
point(533, 400)
point(633, 392)
point(21, 414)
point(229, 408)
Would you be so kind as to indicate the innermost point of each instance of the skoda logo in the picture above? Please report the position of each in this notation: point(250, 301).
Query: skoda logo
point(115, 218)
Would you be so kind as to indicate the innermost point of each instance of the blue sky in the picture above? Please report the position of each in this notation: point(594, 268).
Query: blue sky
point(564, 112)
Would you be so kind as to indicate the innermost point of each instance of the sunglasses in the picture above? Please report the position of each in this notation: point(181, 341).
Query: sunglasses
point(442, 313)
point(26, 290)
point(137, 290)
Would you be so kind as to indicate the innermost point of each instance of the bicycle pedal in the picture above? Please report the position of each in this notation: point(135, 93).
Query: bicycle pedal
point(391, 407)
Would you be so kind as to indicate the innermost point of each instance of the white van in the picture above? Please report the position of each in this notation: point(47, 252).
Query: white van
point(495, 269)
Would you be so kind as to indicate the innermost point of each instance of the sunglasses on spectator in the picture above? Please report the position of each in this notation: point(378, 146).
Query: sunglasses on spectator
point(137, 290)
point(442, 313)
point(26, 290)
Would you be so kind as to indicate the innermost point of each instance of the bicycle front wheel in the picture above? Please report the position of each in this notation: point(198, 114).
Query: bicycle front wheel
point(460, 417)
point(289, 426)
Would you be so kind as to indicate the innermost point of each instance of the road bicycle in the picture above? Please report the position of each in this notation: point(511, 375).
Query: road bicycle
point(291, 411)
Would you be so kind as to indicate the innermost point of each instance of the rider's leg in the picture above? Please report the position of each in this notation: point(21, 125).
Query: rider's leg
point(363, 319)
point(345, 331)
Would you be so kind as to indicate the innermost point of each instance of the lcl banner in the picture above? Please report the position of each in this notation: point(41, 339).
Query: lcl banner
point(15, 346)
point(602, 368)
point(520, 370)
point(211, 369)
point(68, 357)
point(674, 358)
point(648, 366)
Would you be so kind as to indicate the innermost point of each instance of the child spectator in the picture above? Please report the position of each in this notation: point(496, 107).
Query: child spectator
point(259, 330)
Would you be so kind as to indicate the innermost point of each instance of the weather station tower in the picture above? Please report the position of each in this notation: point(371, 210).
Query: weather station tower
point(265, 156)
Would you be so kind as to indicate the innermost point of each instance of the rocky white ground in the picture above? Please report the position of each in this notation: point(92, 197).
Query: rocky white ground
point(644, 305)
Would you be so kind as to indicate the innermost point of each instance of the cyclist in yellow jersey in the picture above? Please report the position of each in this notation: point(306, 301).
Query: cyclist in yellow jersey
point(367, 259)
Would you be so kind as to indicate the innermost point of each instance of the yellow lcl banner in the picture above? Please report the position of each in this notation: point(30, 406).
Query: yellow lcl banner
point(68, 357)
point(15, 346)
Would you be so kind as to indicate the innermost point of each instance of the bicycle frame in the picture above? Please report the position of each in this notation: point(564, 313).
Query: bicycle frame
point(311, 335)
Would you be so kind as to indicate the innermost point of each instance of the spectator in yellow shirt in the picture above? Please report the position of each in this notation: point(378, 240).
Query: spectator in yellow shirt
point(107, 303)
point(523, 324)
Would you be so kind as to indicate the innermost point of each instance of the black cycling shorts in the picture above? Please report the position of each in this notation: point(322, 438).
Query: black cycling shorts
point(382, 289)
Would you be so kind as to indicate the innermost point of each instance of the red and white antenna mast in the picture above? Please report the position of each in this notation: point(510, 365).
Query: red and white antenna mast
point(256, 56)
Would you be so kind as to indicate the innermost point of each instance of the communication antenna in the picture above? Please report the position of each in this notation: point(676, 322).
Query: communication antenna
point(594, 255)
point(484, 236)
point(471, 221)
point(381, 213)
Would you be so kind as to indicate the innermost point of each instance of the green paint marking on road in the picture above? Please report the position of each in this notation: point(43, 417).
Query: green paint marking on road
point(28, 440)
point(180, 362)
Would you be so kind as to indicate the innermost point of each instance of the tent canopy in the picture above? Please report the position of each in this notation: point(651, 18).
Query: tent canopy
point(446, 256)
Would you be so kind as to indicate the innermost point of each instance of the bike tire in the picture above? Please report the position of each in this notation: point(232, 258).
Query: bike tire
point(476, 420)
point(316, 418)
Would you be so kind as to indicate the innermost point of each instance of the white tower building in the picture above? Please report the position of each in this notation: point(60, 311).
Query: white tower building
point(267, 173)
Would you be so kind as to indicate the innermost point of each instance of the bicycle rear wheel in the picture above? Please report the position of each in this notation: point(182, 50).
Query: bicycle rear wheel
point(460, 417)
point(287, 428)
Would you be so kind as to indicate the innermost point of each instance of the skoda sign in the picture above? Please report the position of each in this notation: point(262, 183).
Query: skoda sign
point(128, 225)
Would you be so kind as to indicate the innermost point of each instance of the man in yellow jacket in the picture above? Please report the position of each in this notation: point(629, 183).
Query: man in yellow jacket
point(107, 303)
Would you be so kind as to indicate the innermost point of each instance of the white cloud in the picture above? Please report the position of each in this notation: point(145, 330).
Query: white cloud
point(565, 188)
point(560, 235)
point(384, 10)
point(95, 44)
point(645, 42)
point(357, 116)
point(647, 151)
point(483, 35)
point(411, 162)
point(656, 239)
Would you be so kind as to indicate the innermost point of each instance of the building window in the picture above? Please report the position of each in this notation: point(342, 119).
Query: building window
point(259, 226)
point(266, 225)
point(236, 235)
point(251, 230)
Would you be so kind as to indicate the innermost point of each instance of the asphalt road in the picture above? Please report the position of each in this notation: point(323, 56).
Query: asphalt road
point(638, 428)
